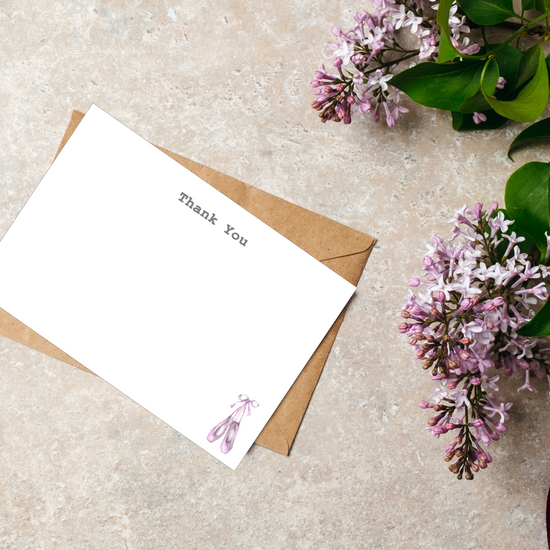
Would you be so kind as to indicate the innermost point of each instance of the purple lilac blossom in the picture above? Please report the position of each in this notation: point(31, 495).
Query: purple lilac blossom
point(475, 293)
point(367, 55)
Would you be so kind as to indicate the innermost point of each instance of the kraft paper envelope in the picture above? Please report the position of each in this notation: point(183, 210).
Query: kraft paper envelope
point(342, 249)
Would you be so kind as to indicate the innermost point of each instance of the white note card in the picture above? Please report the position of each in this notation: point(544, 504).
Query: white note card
point(166, 288)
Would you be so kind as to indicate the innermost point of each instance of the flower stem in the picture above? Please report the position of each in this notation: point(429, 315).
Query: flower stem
point(413, 53)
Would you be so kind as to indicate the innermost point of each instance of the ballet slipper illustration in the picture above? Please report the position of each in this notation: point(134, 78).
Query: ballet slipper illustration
point(229, 427)
point(217, 431)
point(229, 439)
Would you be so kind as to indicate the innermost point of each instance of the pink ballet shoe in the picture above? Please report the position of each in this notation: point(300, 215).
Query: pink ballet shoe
point(229, 428)
point(217, 431)
point(229, 438)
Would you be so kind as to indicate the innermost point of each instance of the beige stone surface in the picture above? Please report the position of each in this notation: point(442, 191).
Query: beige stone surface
point(226, 83)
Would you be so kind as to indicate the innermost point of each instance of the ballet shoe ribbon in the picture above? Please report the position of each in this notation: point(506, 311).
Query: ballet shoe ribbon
point(245, 406)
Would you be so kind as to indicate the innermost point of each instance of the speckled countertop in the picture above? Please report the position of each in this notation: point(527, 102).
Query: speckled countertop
point(226, 83)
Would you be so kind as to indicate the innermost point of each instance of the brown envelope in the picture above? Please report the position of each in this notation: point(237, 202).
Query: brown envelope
point(342, 249)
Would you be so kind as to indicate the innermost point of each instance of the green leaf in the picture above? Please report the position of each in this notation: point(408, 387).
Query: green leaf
point(488, 12)
point(539, 325)
point(526, 198)
point(443, 87)
point(536, 132)
point(475, 104)
point(542, 5)
point(528, 66)
point(458, 120)
point(531, 100)
point(508, 60)
point(528, 5)
point(446, 50)
point(463, 122)
point(489, 77)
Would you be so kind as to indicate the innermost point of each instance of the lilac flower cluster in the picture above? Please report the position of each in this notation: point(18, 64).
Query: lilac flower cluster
point(367, 55)
point(477, 291)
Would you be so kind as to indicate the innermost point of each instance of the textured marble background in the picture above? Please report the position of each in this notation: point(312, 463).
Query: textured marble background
point(226, 83)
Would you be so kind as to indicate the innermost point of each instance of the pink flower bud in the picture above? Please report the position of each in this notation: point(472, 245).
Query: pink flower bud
point(405, 314)
point(477, 422)
point(452, 384)
point(423, 404)
point(414, 281)
point(477, 209)
point(475, 381)
point(490, 325)
point(336, 30)
point(376, 113)
point(464, 355)
point(403, 327)
point(441, 296)
point(337, 62)
point(365, 107)
point(492, 208)
point(523, 364)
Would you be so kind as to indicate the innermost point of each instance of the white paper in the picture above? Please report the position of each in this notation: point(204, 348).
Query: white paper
point(163, 301)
